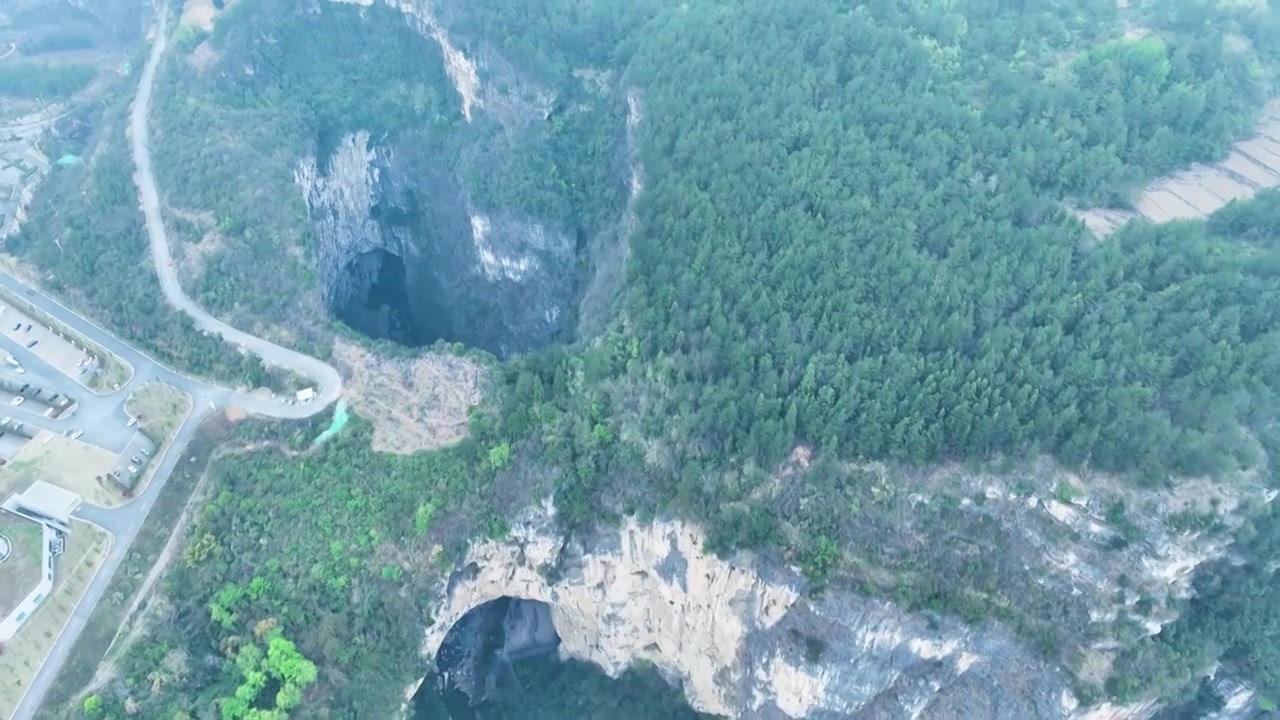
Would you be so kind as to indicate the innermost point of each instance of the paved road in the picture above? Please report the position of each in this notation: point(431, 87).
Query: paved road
point(330, 382)
point(124, 522)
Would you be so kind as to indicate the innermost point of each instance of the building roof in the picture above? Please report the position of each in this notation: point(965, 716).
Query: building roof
point(49, 499)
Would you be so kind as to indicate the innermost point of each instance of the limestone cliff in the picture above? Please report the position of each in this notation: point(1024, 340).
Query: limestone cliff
point(744, 638)
point(487, 210)
point(743, 642)
point(493, 278)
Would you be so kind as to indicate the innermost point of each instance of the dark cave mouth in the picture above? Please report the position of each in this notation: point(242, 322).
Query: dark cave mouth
point(476, 664)
point(501, 661)
point(377, 303)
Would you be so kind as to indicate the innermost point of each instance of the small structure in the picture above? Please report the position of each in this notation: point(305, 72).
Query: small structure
point(306, 395)
point(48, 502)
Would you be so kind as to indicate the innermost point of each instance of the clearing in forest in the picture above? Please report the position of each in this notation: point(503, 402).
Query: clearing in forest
point(414, 404)
point(86, 548)
point(1197, 192)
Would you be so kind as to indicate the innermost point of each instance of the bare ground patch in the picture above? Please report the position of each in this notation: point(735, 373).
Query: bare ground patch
point(414, 404)
point(69, 464)
point(201, 14)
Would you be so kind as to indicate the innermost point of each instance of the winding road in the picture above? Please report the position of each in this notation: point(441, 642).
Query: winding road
point(329, 382)
point(124, 522)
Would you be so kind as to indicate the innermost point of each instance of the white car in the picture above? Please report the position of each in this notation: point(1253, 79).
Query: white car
point(48, 413)
point(132, 421)
point(17, 400)
point(76, 435)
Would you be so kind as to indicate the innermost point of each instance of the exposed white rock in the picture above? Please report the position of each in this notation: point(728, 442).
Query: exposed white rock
point(731, 637)
point(497, 265)
point(340, 204)
point(1108, 711)
point(622, 606)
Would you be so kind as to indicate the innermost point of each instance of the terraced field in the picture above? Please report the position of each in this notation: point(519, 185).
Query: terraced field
point(1200, 190)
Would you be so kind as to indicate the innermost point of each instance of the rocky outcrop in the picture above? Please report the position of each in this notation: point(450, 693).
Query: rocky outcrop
point(744, 639)
point(742, 642)
point(495, 279)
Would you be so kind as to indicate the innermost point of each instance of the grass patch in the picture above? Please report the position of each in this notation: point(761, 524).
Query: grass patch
point(160, 409)
point(86, 548)
point(64, 462)
point(21, 570)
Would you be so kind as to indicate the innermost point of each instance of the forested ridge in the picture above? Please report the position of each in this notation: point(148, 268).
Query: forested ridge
point(852, 238)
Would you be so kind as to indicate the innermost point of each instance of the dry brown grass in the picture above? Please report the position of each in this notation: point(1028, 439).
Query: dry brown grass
point(20, 571)
point(416, 404)
point(69, 464)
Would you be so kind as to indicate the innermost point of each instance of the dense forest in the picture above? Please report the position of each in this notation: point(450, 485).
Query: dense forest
point(86, 235)
point(46, 82)
point(852, 238)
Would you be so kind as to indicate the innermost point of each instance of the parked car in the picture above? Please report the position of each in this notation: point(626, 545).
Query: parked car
point(17, 326)
point(132, 421)
point(133, 470)
point(28, 328)
point(76, 435)
point(17, 400)
point(48, 413)
point(20, 370)
point(146, 452)
point(32, 344)
point(135, 460)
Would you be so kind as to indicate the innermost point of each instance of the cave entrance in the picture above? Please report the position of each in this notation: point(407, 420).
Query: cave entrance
point(499, 661)
point(476, 662)
point(377, 302)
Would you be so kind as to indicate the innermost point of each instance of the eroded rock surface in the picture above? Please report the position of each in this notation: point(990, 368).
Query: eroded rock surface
point(745, 640)
point(740, 642)
point(495, 279)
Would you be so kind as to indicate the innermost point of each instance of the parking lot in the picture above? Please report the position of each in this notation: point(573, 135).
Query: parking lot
point(131, 464)
point(58, 352)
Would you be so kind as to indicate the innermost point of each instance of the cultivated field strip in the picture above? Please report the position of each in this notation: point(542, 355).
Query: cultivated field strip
point(1200, 190)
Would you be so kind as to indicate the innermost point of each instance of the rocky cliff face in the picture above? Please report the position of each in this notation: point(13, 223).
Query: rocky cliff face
point(742, 642)
point(745, 639)
point(495, 279)
point(477, 213)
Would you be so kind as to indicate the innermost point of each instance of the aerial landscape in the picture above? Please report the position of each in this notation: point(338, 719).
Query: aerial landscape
point(596, 359)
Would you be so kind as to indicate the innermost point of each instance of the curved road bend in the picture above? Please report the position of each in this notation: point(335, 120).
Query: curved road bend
point(124, 522)
point(328, 381)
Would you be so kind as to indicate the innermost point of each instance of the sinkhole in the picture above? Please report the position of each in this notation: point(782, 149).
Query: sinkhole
point(377, 299)
point(500, 661)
